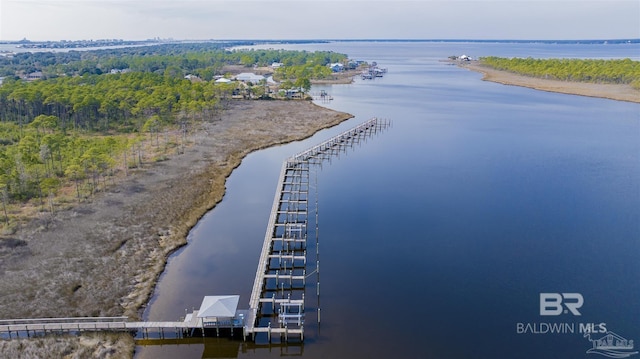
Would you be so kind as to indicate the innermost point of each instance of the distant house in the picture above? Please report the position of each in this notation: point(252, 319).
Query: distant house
point(276, 65)
point(294, 93)
point(119, 71)
point(35, 76)
point(222, 80)
point(336, 67)
point(352, 64)
point(249, 77)
point(193, 78)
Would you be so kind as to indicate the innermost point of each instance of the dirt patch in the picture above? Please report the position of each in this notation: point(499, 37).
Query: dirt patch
point(610, 91)
point(103, 258)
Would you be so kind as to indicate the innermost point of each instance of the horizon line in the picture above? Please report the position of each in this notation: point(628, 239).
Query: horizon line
point(330, 39)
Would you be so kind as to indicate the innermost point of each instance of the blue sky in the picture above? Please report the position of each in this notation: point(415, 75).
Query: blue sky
point(307, 19)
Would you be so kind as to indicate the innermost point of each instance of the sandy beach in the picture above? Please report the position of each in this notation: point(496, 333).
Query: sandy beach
point(609, 91)
point(103, 257)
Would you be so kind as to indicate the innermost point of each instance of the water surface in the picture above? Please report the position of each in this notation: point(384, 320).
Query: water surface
point(438, 236)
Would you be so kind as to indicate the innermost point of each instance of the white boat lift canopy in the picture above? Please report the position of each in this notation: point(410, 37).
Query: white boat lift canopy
point(219, 306)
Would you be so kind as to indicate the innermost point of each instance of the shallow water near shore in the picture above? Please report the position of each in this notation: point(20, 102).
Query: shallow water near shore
point(438, 235)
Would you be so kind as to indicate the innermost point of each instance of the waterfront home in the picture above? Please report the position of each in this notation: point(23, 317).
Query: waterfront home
point(249, 77)
point(35, 76)
point(336, 67)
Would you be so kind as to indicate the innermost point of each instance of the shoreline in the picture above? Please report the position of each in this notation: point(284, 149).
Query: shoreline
point(607, 91)
point(104, 257)
point(219, 178)
point(340, 78)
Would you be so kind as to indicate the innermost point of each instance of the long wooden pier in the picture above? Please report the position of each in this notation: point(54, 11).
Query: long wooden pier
point(278, 294)
point(277, 302)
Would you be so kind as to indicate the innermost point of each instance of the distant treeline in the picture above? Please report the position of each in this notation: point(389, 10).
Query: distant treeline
point(202, 59)
point(624, 71)
point(81, 123)
point(80, 90)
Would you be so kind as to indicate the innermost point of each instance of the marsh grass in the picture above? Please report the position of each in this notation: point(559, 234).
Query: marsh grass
point(87, 346)
point(103, 256)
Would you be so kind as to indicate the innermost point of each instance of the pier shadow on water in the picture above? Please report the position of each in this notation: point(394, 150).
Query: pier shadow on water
point(208, 347)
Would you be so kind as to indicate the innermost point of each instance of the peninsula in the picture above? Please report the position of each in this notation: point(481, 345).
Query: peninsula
point(619, 92)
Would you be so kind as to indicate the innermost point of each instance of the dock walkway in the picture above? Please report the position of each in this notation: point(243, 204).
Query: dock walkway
point(278, 289)
point(277, 303)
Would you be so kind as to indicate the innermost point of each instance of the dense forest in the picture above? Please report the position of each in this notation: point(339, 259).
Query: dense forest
point(624, 71)
point(120, 102)
point(86, 119)
point(188, 57)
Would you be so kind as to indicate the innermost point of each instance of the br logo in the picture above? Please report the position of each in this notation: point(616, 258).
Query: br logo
point(558, 303)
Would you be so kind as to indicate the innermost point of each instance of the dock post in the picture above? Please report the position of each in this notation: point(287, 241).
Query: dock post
point(269, 332)
point(286, 333)
point(289, 222)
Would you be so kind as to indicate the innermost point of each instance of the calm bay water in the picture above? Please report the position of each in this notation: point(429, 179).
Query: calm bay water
point(438, 236)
